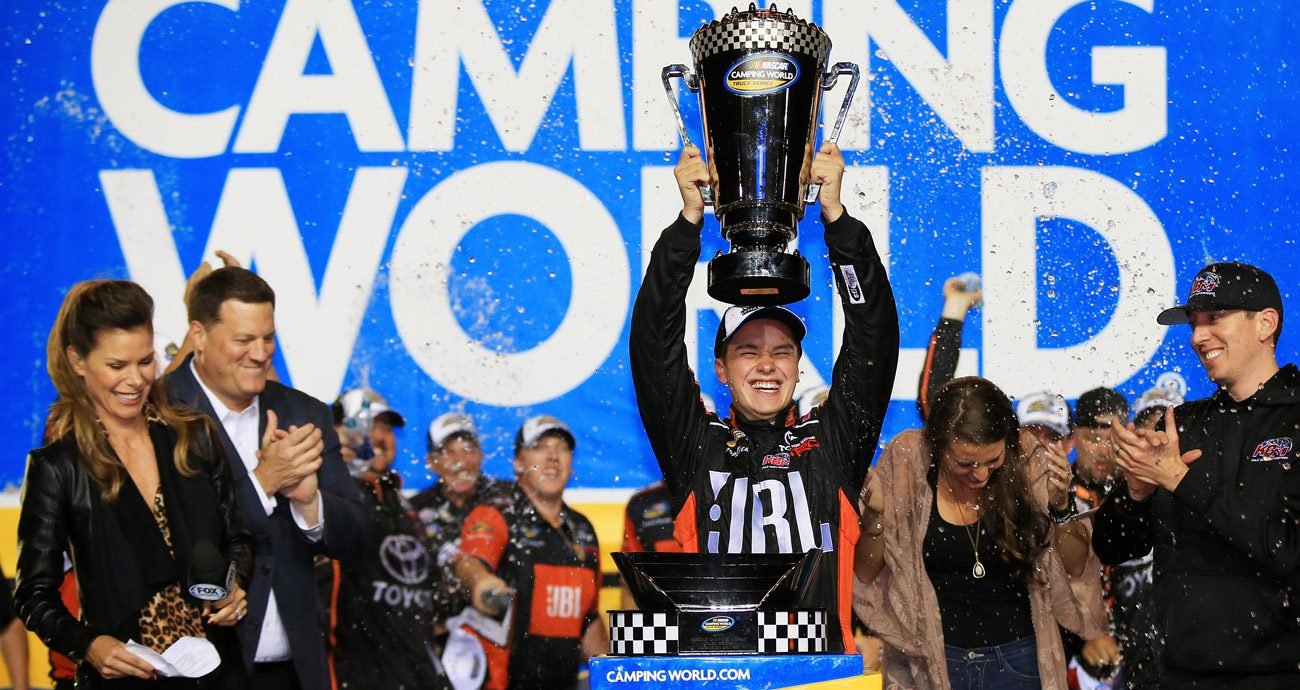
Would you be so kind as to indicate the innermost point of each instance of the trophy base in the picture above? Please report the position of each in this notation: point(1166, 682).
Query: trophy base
point(757, 278)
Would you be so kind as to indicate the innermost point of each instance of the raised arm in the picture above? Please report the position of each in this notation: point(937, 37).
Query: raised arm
point(864, 369)
point(944, 348)
point(668, 395)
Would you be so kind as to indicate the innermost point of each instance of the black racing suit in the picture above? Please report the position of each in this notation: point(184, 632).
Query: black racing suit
point(384, 612)
point(940, 366)
point(648, 521)
point(1226, 540)
point(785, 486)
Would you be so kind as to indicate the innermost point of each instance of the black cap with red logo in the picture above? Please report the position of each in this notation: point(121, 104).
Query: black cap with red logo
point(1223, 286)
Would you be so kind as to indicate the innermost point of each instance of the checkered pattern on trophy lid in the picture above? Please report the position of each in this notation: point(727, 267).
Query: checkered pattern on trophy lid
point(768, 31)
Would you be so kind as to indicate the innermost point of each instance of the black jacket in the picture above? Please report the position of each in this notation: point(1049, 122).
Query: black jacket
point(791, 485)
point(1227, 539)
point(116, 549)
point(282, 557)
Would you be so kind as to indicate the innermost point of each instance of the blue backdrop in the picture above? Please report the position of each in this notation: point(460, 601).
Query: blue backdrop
point(454, 201)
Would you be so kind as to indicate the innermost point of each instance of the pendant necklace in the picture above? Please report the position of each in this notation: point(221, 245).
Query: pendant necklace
point(976, 571)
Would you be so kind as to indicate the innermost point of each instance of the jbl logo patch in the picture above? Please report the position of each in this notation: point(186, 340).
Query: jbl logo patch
point(562, 596)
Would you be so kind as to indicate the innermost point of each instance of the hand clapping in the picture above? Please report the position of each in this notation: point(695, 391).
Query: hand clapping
point(1151, 458)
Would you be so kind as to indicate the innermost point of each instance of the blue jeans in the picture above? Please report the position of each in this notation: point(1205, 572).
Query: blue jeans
point(1010, 666)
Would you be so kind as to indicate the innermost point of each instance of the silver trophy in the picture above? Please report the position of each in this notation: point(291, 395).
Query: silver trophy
point(760, 75)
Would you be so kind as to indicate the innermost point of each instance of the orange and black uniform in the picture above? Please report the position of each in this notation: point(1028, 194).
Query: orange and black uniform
point(785, 486)
point(555, 572)
point(648, 521)
point(941, 355)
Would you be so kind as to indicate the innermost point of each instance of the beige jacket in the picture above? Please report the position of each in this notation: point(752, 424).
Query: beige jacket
point(900, 605)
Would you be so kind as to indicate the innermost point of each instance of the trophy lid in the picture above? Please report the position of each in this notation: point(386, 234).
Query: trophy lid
point(668, 581)
point(758, 29)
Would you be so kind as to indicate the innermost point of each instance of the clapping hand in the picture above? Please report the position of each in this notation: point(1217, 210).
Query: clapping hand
point(1151, 458)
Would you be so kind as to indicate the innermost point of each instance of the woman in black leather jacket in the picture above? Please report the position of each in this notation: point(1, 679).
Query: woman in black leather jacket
point(127, 489)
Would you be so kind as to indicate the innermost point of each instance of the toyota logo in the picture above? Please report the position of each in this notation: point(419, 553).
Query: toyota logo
point(405, 558)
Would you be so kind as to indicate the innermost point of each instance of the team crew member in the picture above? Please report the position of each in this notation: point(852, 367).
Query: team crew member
point(648, 526)
point(382, 604)
point(1216, 492)
point(944, 348)
point(525, 545)
point(456, 456)
point(1128, 586)
point(1093, 476)
point(1044, 414)
point(648, 516)
point(648, 521)
point(766, 480)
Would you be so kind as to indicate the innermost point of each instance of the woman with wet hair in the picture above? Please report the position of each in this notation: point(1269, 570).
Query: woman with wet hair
point(968, 556)
point(128, 487)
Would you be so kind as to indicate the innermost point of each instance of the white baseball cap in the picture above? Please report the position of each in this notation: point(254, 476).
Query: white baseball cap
point(448, 425)
point(533, 428)
point(1044, 409)
point(351, 403)
point(1170, 391)
point(735, 317)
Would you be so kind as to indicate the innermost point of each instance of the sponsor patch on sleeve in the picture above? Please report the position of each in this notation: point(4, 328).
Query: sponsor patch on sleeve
point(851, 285)
point(484, 535)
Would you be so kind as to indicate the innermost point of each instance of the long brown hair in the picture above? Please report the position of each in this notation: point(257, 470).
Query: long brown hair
point(973, 410)
point(91, 308)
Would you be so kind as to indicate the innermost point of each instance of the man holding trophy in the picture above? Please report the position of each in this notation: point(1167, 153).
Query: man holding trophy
point(764, 480)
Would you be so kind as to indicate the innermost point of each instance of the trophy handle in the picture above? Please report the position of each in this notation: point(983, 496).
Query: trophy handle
point(828, 81)
point(692, 84)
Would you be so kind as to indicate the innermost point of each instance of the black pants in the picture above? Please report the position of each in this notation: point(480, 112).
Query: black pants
point(279, 675)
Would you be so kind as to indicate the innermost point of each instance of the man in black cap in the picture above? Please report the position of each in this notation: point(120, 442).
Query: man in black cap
point(765, 479)
point(1094, 464)
point(1216, 492)
point(1094, 475)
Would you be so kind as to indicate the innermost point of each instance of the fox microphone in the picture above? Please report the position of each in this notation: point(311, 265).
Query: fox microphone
point(212, 576)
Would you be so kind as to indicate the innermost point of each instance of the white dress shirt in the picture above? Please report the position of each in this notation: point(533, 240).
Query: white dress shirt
point(241, 427)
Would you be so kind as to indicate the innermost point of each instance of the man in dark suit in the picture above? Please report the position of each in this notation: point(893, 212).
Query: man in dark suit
point(290, 479)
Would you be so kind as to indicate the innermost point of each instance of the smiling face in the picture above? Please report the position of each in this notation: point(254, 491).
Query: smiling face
point(233, 355)
point(118, 373)
point(544, 468)
point(1235, 348)
point(761, 369)
point(1095, 450)
point(971, 465)
point(458, 464)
